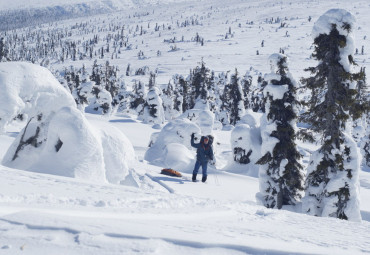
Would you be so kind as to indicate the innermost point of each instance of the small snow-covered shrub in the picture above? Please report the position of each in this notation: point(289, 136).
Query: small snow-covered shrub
point(174, 134)
point(246, 142)
point(153, 112)
point(202, 116)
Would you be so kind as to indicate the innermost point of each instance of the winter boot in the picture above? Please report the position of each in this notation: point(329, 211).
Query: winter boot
point(194, 178)
point(204, 178)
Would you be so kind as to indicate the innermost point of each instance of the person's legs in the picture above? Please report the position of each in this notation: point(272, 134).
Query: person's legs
point(195, 171)
point(204, 171)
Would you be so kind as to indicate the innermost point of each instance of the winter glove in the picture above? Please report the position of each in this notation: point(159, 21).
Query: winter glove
point(213, 161)
point(192, 135)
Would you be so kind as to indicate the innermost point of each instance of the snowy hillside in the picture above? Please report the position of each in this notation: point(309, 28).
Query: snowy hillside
point(18, 13)
point(114, 4)
point(93, 105)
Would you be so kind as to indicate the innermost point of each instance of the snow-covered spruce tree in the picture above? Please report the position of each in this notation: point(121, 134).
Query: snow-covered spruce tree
point(138, 98)
point(152, 83)
point(280, 174)
point(101, 102)
point(365, 145)
point(224, 104)
point(361, 127)
point(123, 97)
point(237, 108)
point(246, 85)
point(153, 112)
point(84, 91)
point(257, 102)
point(178, 100)
point(3, 51)
point(214, 93)
point(111, 81)
point(332, 184)
point(171, 102)
point(200, 80)
point(182, 85)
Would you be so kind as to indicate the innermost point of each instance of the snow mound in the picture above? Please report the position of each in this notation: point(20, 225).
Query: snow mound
point(118, 152)
point(57, 138)
point(29, 90)
point(202, 116)
point(246, 145)
point(66, 144)
point(172, 159)
point(63, 145)
point(171, 147)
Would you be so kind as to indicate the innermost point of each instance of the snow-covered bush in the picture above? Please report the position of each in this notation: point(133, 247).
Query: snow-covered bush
point(58, 144)
point(138, 97)
point(172, 102)
point(57, 138)
point(171, 147)
point(64, 143)
point(202, 116)
point(153, 112)
point(246, 139)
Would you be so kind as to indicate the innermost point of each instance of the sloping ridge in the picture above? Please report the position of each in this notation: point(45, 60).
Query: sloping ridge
point(20, 13)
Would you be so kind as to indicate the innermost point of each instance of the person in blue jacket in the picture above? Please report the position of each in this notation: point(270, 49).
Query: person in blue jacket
point(204, 154)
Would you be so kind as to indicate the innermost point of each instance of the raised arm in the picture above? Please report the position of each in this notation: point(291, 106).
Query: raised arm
point(195, 145)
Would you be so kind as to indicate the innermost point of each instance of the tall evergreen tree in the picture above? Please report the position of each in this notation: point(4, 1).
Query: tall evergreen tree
point(247, 85)
point(152, 83)
point(111, 81)
point(332, 184)
point(182, 85)
point(237, 108)
point(281, 177)
point(123, 97)
point(225, 99)
point(214, 93)
point(138, 101)
point(3, 51)
point(257, 102)
point(200, 80)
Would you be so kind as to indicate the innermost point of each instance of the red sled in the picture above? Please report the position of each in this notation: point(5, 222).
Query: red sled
point(170, 172)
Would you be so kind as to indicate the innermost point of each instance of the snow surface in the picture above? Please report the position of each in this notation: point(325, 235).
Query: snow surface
point(55, 214)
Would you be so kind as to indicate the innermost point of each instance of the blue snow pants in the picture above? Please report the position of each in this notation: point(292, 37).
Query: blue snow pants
point(204, 167)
